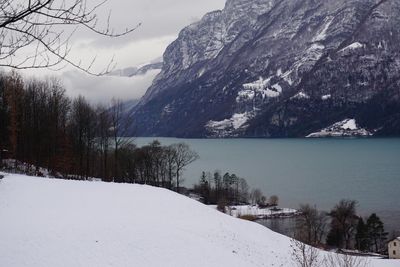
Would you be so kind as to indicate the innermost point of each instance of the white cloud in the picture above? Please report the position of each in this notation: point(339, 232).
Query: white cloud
point(161, 21)
point(158, 17)
point(103, 89)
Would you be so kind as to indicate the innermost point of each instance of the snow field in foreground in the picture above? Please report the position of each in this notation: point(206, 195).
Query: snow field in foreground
point(49, 223)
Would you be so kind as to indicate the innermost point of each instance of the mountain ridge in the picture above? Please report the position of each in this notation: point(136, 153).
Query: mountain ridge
point(275, 66)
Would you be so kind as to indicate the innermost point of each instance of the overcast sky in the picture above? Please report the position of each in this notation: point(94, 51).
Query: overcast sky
point(161, 22)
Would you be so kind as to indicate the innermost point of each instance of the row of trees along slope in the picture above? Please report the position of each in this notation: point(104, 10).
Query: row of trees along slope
point(41, 126)
point(70, 138)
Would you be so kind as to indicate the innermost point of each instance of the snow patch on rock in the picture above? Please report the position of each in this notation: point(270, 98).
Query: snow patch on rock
point(353, 46)
point(315, 52)
point(260, 84)
point(167, 108)
point(321, 36)
point(260, 87)
point(300, 95)
point(345, 128)
point(229, 127)
point(349, 125)
point(201, 72)
point(286, 77)
point(326, 97)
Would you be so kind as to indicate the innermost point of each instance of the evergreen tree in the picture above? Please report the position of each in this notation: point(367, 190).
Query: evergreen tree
point(205, 188)
point(362, 240)
point(334, 238)
point(376, 233)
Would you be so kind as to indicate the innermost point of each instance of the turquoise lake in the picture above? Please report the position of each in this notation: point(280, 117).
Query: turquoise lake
point(314, 171)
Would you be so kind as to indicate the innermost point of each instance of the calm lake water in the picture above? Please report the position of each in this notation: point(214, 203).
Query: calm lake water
point(315, 171)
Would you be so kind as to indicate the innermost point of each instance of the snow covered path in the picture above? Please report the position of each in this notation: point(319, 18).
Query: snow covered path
point(51, 223)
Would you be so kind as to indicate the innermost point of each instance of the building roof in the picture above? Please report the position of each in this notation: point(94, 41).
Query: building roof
point(393, 239)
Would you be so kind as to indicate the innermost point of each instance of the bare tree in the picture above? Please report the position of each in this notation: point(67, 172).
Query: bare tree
point(42, 29)
point(243, 190)
point(119, 131)
point(256, 196)
point(82, 120)
point(274, 200)
point(304, 255)
point(3, 117)
point(183, 157)
point(116, 119)
point(103, 137)
point(170, 156)
point(343, 224)
point(311, 225)
point(15, 87)
point(57, 115)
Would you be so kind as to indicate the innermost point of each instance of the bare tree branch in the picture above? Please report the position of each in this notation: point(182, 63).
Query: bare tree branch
point(36, 25)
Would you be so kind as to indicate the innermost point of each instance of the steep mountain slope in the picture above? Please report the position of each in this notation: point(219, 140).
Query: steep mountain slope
point(270, 68)
point(47, 222)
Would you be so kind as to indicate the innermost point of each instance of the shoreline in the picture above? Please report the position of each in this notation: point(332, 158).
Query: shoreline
point(255, 212)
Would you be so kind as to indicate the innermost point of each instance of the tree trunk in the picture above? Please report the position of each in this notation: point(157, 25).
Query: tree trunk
point(177, 181)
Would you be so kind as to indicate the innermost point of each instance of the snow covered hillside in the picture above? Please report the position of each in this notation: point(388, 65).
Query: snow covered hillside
point(46, 222)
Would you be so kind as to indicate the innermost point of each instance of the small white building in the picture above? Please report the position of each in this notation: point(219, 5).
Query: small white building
point(394, 248)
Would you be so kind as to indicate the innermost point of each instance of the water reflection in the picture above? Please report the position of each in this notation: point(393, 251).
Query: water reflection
point(285, 226)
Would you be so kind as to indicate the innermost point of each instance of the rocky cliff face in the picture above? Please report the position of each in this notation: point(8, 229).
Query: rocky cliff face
point(279, 68)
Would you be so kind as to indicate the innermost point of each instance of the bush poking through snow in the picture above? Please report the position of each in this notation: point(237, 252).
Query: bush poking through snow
point(344, 260)
point(307, 256)
point(304, 255)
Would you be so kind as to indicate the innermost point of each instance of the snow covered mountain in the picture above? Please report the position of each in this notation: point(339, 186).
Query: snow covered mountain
point(279, 68)
point(48, 222)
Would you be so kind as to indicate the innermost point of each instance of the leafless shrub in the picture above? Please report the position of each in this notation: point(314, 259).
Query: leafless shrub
point(344, 260)
point(304, 255)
